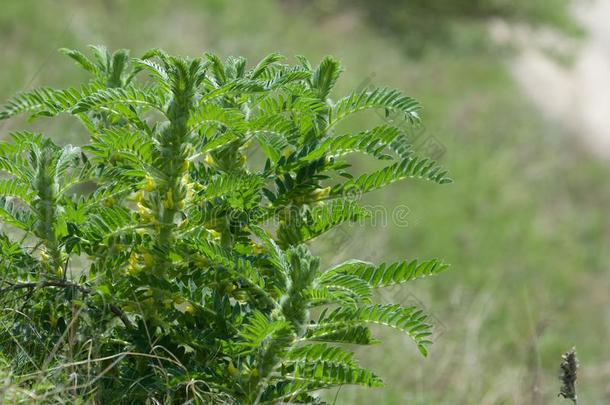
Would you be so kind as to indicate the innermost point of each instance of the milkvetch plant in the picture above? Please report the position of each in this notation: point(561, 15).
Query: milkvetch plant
point(157, 264)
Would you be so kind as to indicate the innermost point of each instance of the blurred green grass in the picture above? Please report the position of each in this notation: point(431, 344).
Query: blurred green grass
point(525, 225)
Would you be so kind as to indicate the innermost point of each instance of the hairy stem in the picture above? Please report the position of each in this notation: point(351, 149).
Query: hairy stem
point(173, 161)
point(46, 209)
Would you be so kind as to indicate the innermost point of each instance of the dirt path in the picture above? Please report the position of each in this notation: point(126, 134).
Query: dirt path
point(576, 95)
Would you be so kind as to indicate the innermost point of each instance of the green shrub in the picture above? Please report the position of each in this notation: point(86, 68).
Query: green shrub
point(157, 264)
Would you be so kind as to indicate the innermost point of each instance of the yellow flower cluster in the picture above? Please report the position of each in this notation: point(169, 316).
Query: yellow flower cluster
point(139, 261)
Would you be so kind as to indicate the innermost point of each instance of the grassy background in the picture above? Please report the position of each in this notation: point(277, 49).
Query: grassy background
point(525, 225)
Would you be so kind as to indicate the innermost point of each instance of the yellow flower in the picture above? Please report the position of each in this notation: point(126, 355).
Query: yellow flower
point(145, 213)
point(185, 166)
point(149, 260)
point(109, 202)
point(183, 306)
point(201, 261)
point(320, 193)
point(240, 295)
point(149, 184)
point(288, 150)
point(231, 369)
point(133, 264)
point(209, 159)
point(139, 197)
point(116, 157)
point(169, 200)
point(189, 192)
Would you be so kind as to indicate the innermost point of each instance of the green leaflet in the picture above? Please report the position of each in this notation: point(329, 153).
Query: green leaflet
point(16, 215)
point(325, 76)
point(410, 320)
point(15, 188)
point(260, 329)
point(265, 65)
point(118, 96)
point(272, 143)
point(386, 274)
point(121, 143)
point(300, 227)
point(355, 285)
point(411, 167)
point(46, 101)
point(375, 99)
point(211, 115)
point(229, 183)
point(104, 223)
point(332, 374)
point(373, 142)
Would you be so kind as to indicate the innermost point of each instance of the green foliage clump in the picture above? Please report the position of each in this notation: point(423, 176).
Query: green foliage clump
point(157, 264)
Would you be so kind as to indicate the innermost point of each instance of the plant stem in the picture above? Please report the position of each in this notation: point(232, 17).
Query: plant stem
point(173, 161)
point(46, 207)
